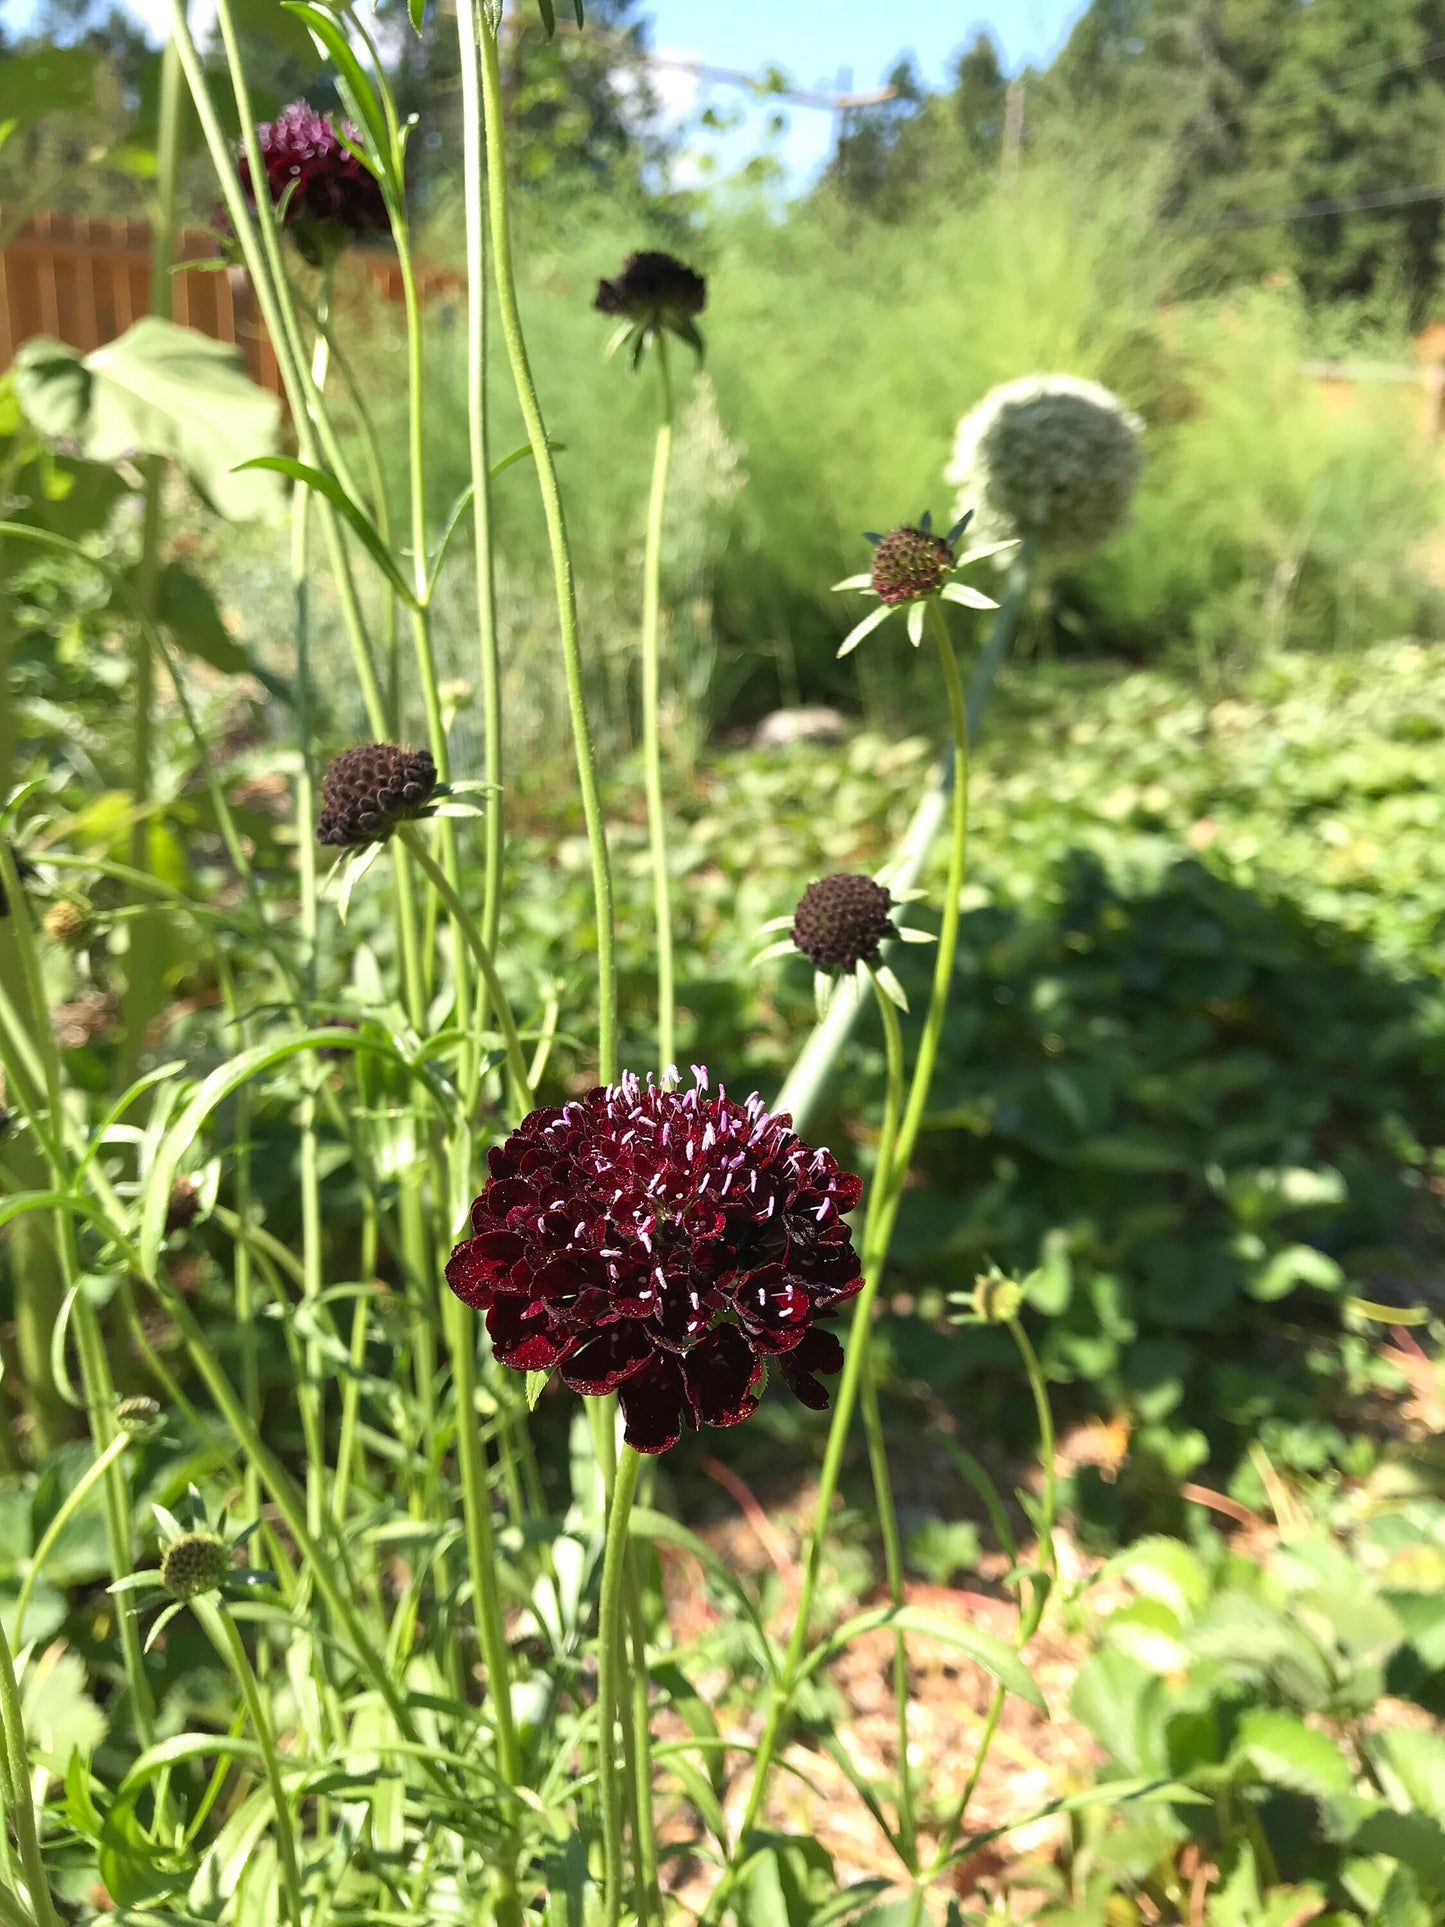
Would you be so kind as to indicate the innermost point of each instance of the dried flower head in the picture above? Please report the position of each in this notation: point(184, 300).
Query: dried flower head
point(195, 1563)
point(1051, 458)
point(840, 922)
point(662, 1244)
point(653, 293)
point(911, 568)
point(183, 1206)
point(327, 195)
point(369, 790)
point(67, 922)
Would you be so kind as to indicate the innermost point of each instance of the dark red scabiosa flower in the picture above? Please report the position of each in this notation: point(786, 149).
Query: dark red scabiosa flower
point(909, 563)
point(654, 292)
point(840, 922)
point(330, 196)
point(662, 1244)
point(369, 790)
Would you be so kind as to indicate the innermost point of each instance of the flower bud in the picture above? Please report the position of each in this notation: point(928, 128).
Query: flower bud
point(139, 1418)
point(196, 1563)
point(66, 922)
point(996, 1297)
point(369, 790)
point(840, 922)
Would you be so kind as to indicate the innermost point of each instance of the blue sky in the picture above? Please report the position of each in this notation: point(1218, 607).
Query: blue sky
point(815, 41)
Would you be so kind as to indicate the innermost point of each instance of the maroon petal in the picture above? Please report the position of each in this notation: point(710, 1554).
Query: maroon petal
point(479, 1265)
point(602, 1364)
point(819, 1351)
point(652, 1402)
point(775, 1308)
point(522, 1336)
point(724, 1376)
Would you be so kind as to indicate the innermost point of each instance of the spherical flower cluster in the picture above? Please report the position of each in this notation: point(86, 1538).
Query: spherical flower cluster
point(67, 922)
point(662, 1244)
point(367, 791)
point(195, 1563)
point(1051, 458)
point(330, 196)
point(909, 563)
point(840, 922)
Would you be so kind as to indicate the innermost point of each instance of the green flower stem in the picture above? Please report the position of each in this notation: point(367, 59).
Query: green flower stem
point(261, 247)
point(64, 1512)
point(96, 1380)
point(224, 1634)
point(1049, 1508)
point(878, 1445)
point(649, 1896)
point(651, 734)
point(475, 218)
point(612, 1655)
point(16, 1764)
point(471, 936)
point(312, 1391)
point(882, 1216)
point(563, 578)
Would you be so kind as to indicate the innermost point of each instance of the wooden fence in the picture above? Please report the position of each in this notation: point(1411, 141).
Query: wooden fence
point(84, 280)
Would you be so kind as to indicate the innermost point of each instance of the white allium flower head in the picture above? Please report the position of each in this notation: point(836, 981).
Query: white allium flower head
point(1049, 456)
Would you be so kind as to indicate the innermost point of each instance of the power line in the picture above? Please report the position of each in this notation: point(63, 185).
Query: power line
point(1374, 70)
point(1381, 199)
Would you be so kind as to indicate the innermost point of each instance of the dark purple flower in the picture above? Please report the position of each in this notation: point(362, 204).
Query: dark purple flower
point(840, 922)
point(329, 196)
point(655, 292)
point(662, 1244)
point(367, 791)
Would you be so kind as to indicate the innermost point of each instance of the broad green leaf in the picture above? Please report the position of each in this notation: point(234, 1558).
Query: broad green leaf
point(186, 608)
point(1166, 1570)
point(1000, 1661)
point(1414, 1838)
point(1414, 1759)
point(1122, 1703)
point(159, 389)
point(1285, 1752)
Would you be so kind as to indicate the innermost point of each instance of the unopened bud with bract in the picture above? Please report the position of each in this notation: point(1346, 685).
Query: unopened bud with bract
point(997, 1298)
point(196, 1563)
point(139, 1418)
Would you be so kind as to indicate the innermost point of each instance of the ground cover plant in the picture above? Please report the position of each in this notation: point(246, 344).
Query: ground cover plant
point(379, 1290)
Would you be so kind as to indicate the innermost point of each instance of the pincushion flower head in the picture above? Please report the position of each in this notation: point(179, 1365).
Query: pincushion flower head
point(655, 294)
point(662, 1244)
point(368, 790)
point(325, 192)
point(911, 568)
point(1050, 458)
point(840, 925)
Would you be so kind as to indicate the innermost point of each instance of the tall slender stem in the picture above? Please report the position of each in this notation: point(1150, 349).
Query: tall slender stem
point(651, 733)
point(882, 1216)
point(562, 572)
point(224, 1634)
point(15, 1763)
point(612, 1658)
point(475, 217)
point(878, 1445)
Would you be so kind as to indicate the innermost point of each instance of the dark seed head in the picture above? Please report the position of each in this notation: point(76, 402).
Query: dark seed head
point(195, 1563)
point(183, 1207)
point(653, 287)
point(368, 791)
point(909, 563)
point(841, 920)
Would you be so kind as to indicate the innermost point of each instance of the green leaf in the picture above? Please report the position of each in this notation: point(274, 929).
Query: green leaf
point(1296, 1265)
point(998, 1660)
point(1166, 1570)
point(1414, 1759)
point(281, 27)
point(365, 105)
point(1122, 1704)
point(187, 610)
point(159, 389)
point(661, 1530)
point(1285, 1752)
point(356, 521)
point(536, 1385)
point(1413, 1838)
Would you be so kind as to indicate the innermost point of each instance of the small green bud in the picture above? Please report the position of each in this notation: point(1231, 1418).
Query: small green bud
point(997, 1298)
point(139, 1418)
point(195, 1563)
